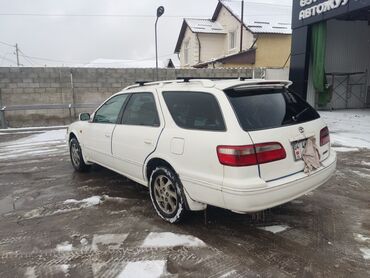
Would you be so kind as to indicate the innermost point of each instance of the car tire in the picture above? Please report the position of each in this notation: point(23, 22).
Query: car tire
point(165, 190)
point(75, 153)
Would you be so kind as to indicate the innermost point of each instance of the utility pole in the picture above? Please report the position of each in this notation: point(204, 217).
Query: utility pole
point(17, 53)
point(241, 26)
point(160, 11)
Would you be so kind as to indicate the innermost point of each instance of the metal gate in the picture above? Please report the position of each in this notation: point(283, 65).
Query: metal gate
point(350, 90)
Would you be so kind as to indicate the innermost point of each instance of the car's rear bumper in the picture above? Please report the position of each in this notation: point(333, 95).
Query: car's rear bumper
point(271, 194)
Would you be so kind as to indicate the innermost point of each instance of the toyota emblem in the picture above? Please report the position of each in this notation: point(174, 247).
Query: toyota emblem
point(301, 129)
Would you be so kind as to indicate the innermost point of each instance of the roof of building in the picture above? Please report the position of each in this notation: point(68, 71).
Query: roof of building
point(198, 26)
point(245, 57)
point(260, 18)
point(204, 26)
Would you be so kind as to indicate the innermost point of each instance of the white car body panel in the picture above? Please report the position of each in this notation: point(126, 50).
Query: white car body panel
point(192, 153)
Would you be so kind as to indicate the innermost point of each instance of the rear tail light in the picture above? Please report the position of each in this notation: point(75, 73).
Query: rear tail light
point(250, 154)
point(324, 136)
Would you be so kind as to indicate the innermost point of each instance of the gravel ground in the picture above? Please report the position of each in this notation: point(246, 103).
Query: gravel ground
point(56, 222)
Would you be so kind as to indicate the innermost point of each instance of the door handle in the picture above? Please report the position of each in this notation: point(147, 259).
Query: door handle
point(107, 135)
point(148, 142)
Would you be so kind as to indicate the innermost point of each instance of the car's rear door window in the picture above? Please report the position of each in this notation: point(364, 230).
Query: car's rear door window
point(141, 110)
point(269, 108)
point(195, 110)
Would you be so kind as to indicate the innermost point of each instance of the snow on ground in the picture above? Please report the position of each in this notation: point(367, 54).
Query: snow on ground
point(345, 149)
point(47, 143)
point(365, 253)
point(61, 270)
point(361, 174)
point(167, 239)
point(275, 228)
point(85, 203)
point(112, 241)
point(231, 273)
point(144, 269)
point(64, 247)
point(348, 128)
point(361, 238)
point(51, 135)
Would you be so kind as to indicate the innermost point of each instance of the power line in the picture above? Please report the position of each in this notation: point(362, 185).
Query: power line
point(7, 44)
point(26, 58)
point(6, 59)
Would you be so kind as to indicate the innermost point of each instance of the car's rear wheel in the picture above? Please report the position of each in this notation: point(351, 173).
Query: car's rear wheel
point(166, 195)
point(76, 156)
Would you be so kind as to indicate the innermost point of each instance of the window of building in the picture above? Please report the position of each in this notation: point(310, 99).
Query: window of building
point(232, 40)
point(141, 110)
point(195, 110)
point(186, 52)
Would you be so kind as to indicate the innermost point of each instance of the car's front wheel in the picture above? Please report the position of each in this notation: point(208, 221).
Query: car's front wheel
point(166, 195)
point(76, 156)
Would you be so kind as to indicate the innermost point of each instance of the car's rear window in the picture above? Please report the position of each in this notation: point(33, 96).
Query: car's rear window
point(195, 110)
point(269, 108)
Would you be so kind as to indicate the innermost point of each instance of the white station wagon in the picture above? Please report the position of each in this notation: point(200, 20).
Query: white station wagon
point(234, 144)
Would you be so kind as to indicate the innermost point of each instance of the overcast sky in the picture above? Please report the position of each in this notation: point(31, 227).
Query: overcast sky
point(87, 35)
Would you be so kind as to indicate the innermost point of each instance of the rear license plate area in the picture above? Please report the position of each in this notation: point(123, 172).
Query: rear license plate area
point(298, 148)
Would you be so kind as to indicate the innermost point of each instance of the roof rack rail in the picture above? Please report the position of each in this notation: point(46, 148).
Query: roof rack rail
point(206, 81)
point(142, 82)
point(187, 79)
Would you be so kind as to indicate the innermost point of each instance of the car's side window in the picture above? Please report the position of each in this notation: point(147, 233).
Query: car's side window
point(141, 110)
point(109, 111)
point(195, 110)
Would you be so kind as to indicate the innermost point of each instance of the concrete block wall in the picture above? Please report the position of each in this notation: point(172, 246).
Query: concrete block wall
point(34, 86)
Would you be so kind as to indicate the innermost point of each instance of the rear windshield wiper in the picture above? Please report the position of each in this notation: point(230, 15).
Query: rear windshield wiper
point(296, 117)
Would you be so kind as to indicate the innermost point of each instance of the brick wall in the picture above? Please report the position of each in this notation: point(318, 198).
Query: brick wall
point(33, 86)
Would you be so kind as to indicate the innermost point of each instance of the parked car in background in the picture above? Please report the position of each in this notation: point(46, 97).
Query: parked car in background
point(234, 144)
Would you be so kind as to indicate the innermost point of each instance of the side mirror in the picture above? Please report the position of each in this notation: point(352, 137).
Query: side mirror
point(84, 117)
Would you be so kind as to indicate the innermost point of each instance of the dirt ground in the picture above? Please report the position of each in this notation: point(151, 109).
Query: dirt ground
point(323, 234)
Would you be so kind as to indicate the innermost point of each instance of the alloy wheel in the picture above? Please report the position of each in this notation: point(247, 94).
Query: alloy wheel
point(165, 194)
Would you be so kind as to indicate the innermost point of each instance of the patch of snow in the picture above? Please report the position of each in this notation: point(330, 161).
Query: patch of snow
point(167, 239)
point(33, 213)
point(114, 199)
point(229, 274)
point(64, 268)
point(361, 238)
point(361, 174)
point(84, 242)
point(51, 135)
point(364, 163)
point(275, 228)
point(365, 253)
point(112, 241)
point(350, 128)
point(64, 247)
point(30, 272)
point(88, 202)
point(345, 149)
point(144, 269)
